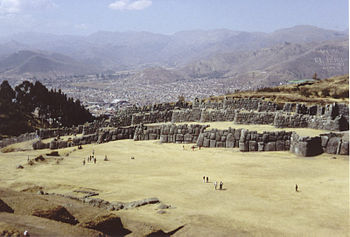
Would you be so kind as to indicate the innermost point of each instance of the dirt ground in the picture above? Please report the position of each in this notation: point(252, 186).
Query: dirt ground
point(258, 196)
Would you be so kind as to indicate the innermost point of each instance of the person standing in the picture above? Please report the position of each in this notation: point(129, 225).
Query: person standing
point(221, 183)
point(207, 179)
point(296, 188)
point(203, 179)
point(215, 185)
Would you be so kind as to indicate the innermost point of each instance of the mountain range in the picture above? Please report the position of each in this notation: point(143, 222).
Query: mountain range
point(285, 54)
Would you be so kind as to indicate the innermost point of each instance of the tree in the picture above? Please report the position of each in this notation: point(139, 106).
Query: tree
point(6, 92)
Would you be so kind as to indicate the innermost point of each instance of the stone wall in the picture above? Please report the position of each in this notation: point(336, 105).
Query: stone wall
point(146, 133)
point(181, 133)
point(152, 117)
point(21, 138)
point(288, 120)
point(186, 115)
point(330, 143)
point(54, 132)
point(245, 140)
point(254, 117)
point(212, 115)
point(102, 136)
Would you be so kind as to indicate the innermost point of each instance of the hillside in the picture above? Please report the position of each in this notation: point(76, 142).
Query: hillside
point(31, 106)
point(28, 63)
point(271, 66)
point(334, 89)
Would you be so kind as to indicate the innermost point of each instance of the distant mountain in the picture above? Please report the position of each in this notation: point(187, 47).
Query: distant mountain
point(38, 63)
point(132, 50)
point(264, 67)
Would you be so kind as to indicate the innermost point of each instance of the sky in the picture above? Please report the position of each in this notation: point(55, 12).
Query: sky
point(83, 17)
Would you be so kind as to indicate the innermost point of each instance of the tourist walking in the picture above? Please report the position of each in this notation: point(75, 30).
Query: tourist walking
point(203, 179)
point(296, 188)
point(221, 183)
point(215, 185)
point(207, 179)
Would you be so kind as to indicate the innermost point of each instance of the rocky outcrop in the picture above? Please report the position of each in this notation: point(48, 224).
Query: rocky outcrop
point(57, 213)
point(108, 224)
point(5, 208)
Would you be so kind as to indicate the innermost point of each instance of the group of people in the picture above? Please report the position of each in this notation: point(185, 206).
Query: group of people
point(91, 158)
point(192, 147)
point(206, 180)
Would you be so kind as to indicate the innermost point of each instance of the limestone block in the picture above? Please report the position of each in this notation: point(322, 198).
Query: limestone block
point(324, 141)
point(179, 137)
point(171, 138)
point(270, 146)
point(287, 145)
point(188, 138)
point(212, 136)
point(206, 142)
point(163, 138)
point(237, 134)
point(230, 142)
point(332, 145)
point(280, 145)
point(253, 146)
point(344, 149)
point(53, 145)
point(244, 133)
point(261, 146)
point(243, 146)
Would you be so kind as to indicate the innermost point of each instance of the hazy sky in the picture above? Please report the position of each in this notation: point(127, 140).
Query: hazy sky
point(167, 16)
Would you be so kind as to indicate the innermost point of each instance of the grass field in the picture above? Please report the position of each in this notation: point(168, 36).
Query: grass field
point(258, 199)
